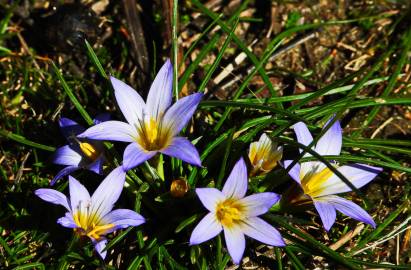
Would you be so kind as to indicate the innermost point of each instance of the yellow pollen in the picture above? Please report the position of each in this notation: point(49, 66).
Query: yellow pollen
point(229, 212)
point(314, 184)
point(89, 150)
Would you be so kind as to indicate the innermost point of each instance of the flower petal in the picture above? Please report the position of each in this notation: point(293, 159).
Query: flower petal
point(235, 241)
point(53, 196)
point(161, 91)
point(134, 155)
point(65, 155)
point(67, 221)
point(111, 131)
point(330, 143)
point(350, 209)
point(97, 165)
point(236, 184)
point(327, 213)
point(130, 102)
point(260, 203)
point(69, 127)
point(262, 231)
point(99, 246)
point(183, 149)
point(65, 171)
point(208, 228)
point(210, 197)
point(294, 172)
point(122, 218)
point(303, 134)
point(79, 196)
point(180, 113)
point(358, 174)
point(107, 193)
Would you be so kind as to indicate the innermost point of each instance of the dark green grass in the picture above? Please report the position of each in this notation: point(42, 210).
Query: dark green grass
point(30, 237)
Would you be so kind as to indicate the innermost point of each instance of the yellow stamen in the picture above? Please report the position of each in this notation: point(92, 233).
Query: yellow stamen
point(229, 212)
point(88, 227)
point(97, 231)
point(153, 136)
point(313, 184)
point(89, 150)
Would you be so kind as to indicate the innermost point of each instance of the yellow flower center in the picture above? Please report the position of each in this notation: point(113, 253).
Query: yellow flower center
point(89, 150)
point(229, 212)
point(90, 226)
point(313, 183)
point(153, 136)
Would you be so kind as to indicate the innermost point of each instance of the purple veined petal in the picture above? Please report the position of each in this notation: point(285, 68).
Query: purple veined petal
point(303, 134)
point(107, 193)
point(262, 231)
point(99, 246)
point(62, 173)
point(161, 91)
point(206, 229)
point(100, 118)
point(134, 155)
point(294, 172)
point(69, 127)
point(178, 115)
point(130, 102)
point(330, 143)
point(236, 184)
point(235, 241)
point(350, 209)
point(53, 196)
point(327, 213)
point(210, 197)
point(67, 221)
point(79, 196)
point(65, 155)
point(183, 149)
point(111, 131)
point(122, 218)
point(97, 165)
point(260, 203)
point(358, 174)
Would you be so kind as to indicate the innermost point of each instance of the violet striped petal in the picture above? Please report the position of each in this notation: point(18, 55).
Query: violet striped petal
point(79, 196)
point(294, 172)
point(67, 221)
point(258, 204)
point(161, 91)
point(358, 174)
point(236, 183)
point(111, 131)
point(183, 149)
point(99, 246)
point(69, 127)
point(97, 165)
point(134, 155)
point(62, 173)
point(327, 213)
point(53, 196)
point(262, 231)
point(178, 115)
point(303, 134)
point(129, 101)
point(122, 218)
point(235, 241)
point(65, 155)
point(350, 209)
point(208, 228)
point(210, 197)
point(331, 141)
point(108, 192)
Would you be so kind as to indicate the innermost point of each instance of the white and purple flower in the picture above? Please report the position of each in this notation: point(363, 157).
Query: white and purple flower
point(93, 216)
point(151, 127)
point(79, 153)
point(264, 155)
point(235, 214)
point(320, 184)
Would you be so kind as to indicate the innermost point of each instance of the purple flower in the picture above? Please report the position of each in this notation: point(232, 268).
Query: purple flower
point(320, 184)
point(93, 216)
point(235, 214)
point(79, 153)
point(151, 127)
